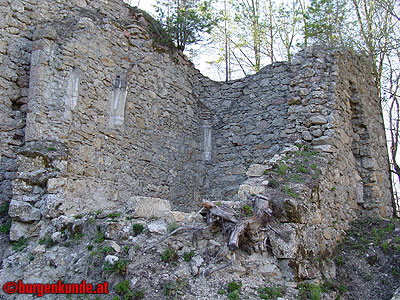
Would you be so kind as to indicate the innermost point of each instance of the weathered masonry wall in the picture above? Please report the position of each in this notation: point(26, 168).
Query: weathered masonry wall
point(325, 99)
point(109, 118)
point(249, 119)
point(94, 114)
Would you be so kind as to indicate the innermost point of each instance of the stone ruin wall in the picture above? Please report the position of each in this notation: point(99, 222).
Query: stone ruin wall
point(324, 99)
point(109, 117)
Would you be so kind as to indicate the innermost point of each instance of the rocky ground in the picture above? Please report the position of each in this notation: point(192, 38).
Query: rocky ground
point(368, 261)
point(138, 263)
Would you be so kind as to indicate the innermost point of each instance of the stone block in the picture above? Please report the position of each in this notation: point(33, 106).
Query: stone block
point(318, 120)
point(147, 207)
point(52, 205)
point(284, 246)
point(256, 170)
point(23, 212)
point(251, 189)
point(23, 230)
point(159, 227)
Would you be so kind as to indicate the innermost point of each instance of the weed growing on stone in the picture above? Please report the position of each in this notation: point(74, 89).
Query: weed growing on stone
point(233, 290)
point(137, 229)
point(118, 267)
point(282, 168)
point(187, 256)
point(287, 190)
point(113, 215)
point(100, 237)
point(339, 260)
point(175, 289)
point(309, 291)
point(247, 210)
point(20, 244)
point(172, 226)
point(123, 289)
point(303, 169)
point(47, 241)
point(273, 183)
point(4, 209)
point(234, 295)
point(5, 228)
point(315, 292)
point(78, 236)
point(107, 249)
point(270, 292)
point(169, 255)
point(296, 178)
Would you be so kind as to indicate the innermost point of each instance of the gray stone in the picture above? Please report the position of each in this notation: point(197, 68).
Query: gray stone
point(198, 261)
point(57, 237)
point(317, 133)
point(111, 259)
point(147, 207)
point(52, 205)
point(159, 227)
point(325, 140)
point(251, 189)
point(306, 136)
point(23, 230)
point(318, 120)
point(284, 245)
point(23, 211)
point(62, 222)
point(396, 295)
point(256, 170)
